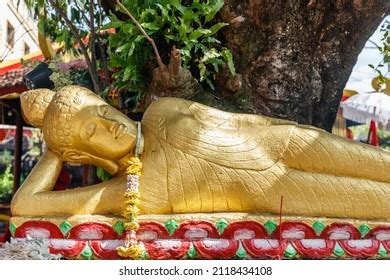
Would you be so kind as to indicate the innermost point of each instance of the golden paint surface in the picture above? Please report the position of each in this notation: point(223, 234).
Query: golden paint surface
point(197, 159)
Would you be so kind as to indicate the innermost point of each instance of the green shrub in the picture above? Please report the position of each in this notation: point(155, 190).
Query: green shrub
point(6, 183)
point(188, 25)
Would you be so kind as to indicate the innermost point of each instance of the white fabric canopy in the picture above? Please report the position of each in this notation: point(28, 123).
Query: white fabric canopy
point(364, 107)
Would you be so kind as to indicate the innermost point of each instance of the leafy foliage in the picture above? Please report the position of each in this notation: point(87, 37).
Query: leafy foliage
point(102, 174)
point(75, 25)
point(53, 25)
point(188, 25)
point(72, 76)
point(6, 178)
point(385, 51)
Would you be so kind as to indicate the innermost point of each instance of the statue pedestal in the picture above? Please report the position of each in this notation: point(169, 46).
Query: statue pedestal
point(210, 236)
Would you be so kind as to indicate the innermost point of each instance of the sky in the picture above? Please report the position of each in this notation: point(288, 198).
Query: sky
point(362, 74)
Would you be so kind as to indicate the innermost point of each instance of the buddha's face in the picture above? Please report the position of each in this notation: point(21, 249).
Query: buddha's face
point(104, 132)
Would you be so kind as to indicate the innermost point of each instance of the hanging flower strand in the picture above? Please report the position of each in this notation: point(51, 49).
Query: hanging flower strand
point(132, 248)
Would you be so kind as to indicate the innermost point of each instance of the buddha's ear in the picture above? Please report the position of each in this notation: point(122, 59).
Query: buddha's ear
point(86, 158)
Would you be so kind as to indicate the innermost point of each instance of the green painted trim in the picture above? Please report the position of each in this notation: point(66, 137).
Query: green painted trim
point(191, 253)
point(241, 252)
point(318, 227)
point(12, 229)
point(119, 228)
point(87, 253)
point(270, 226)
point(290, 252)
point(65, 227)
point(171, 225)
point(145, 255)
point(364, 229)
point(338, 251)
point(221, 225)
point(382, 252)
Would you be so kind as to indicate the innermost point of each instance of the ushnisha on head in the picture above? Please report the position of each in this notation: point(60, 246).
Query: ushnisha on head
point(79, 126)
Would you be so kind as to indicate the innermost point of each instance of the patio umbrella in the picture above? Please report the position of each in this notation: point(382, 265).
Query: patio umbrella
point(367, 107)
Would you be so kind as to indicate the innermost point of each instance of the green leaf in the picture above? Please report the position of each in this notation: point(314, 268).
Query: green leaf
point(183, 31)
point(139, 39)
point(112, 24)
point(153, 26)
point(209, 55)
point(227, 55)
point(216, 27)
point(202, 71)
point(131, 49)
point(199, 32)
point(216, 62)
point(164, 11)
point(171, 37)
point(178, 6)
point(215, 6)
point(123, 48)
point(210, 40)
point(210, 84)
point(102, 174)
point(185, 53)
point(190, 16)
point(129, 72)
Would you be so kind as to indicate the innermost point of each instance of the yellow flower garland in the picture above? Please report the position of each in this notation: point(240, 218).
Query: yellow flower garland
point(132, 248)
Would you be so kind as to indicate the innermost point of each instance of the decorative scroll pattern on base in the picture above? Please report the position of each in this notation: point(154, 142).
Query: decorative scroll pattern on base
point(201, 239)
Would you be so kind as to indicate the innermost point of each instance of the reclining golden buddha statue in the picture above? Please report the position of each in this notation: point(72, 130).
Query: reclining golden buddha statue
point(197, 159)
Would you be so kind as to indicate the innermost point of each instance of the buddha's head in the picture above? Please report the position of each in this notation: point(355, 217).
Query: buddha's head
point(79, 126)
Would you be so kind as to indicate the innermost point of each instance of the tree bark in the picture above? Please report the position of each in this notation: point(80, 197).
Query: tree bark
point(294, 57)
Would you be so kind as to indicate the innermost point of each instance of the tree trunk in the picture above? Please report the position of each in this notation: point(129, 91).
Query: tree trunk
point(294, 57)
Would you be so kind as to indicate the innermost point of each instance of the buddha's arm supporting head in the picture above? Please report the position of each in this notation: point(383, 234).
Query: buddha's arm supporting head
point(79, 126)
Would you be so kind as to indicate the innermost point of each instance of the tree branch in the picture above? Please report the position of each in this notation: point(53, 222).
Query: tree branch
point(82, 12)
point(92, 34)
point(175, 62)
point(101, 49)
point(151, 41)
point(75, 33)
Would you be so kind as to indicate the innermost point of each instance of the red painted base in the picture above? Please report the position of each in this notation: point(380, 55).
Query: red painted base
point(204, 240)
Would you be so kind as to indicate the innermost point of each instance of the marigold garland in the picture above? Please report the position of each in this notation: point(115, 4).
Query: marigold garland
point(132, 248)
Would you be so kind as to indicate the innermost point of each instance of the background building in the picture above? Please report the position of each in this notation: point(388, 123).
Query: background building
point(18, 30)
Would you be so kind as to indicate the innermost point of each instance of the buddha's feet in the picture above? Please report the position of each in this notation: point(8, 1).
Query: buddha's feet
point(210, 236)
